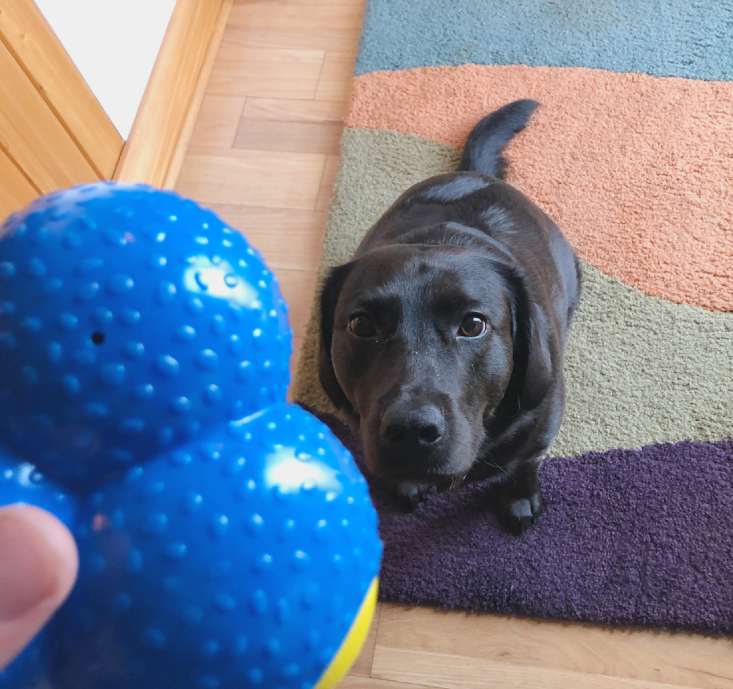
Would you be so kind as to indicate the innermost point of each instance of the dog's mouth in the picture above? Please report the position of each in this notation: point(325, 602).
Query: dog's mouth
point(416, 475)
point(432, 467)
point(443, 483)
point(445, 463)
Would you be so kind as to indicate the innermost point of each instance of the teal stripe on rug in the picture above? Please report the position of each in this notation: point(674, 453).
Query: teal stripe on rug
point(666, 38)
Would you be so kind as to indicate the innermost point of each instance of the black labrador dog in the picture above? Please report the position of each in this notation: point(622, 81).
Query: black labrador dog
point(442, 340)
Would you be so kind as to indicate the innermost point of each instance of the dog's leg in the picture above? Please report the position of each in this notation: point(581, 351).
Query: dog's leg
point(410, 495)
point(520, 500)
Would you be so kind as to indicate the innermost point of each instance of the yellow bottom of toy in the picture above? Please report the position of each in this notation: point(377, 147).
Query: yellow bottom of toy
point(352, 644)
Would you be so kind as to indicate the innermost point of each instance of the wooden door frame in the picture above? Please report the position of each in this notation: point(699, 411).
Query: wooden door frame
point(54, 93)
point(51, 108)
point(164, 123)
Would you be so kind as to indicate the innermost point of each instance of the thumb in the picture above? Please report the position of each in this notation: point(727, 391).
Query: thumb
point(38, 565)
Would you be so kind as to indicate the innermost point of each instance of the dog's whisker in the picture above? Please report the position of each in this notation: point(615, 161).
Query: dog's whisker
point(486, 462)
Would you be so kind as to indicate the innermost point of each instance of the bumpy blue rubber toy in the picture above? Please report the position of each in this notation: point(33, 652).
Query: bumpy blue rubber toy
point(226, 538)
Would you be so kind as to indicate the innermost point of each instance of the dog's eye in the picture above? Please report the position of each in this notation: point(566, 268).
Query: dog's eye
point(473, 325)
point(362, 326)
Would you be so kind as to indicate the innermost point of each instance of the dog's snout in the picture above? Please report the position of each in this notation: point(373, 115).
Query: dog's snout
point(413, 426)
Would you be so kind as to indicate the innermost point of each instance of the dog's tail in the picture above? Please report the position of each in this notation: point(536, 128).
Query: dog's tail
point(483, 151)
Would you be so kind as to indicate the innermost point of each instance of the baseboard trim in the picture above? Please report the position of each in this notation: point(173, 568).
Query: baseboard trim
point(154, 152)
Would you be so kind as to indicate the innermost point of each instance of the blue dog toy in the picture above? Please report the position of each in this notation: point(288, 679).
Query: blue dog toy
point(226, 538)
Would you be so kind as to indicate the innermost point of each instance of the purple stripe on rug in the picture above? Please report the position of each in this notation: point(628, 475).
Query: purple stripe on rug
point(628, 537)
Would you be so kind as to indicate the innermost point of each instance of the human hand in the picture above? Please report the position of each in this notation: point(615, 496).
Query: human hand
point(38, 565)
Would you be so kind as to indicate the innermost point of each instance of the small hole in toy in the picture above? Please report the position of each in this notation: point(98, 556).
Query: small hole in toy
point(98, 338)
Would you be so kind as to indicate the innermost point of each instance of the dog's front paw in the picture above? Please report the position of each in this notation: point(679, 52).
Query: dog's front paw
point(518, 514)
point(410, 495)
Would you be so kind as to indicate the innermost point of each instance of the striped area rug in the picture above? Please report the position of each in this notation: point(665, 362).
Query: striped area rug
point(631, 153)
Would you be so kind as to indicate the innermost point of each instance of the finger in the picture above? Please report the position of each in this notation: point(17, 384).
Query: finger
point(38, 566)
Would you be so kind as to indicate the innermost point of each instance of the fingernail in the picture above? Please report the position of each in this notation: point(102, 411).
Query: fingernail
point(29, 564)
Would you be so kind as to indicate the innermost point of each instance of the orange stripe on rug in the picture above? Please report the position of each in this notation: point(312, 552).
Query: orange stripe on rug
point(636, 170)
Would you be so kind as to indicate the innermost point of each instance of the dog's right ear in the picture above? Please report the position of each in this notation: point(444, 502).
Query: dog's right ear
point(329, 298)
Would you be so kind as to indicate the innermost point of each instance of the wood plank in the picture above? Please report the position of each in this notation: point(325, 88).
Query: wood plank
point(335, 79)
point(284, 72)
point(287, 237)
point(256, 178)
point(266, 38)
point(457, 672)
point(291, 110)
point(298, 137)
point(33, 136)
point(340, 15)
point(306, 126)
point(30, 39)
point(202, 83)
point(331, 25)
point(543, 646)
point(327, 182)
point(356, 682)
point(161, 120)
point(363, 664)
point(15, 190)
point(297, 288)
point(218, 120)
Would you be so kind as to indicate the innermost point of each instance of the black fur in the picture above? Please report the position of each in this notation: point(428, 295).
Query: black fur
point(483, 150)
point(435, 407)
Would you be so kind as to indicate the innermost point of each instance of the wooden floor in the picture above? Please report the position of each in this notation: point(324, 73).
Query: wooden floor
point(264, 155)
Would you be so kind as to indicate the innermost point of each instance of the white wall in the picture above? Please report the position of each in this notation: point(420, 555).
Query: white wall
point(114, 44)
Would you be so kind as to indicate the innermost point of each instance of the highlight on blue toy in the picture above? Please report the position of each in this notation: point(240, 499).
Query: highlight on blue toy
point(226, 538)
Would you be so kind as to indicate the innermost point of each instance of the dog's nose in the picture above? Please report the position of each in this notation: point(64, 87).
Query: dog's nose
point(421, 426)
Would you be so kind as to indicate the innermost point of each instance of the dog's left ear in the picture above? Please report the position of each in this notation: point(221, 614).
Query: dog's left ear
point(539, 370)
point(532, 334)
point(329, 298)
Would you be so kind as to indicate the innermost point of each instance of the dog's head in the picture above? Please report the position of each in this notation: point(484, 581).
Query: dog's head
point(422, 346)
